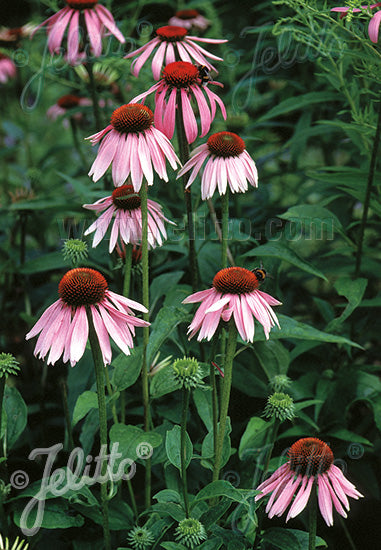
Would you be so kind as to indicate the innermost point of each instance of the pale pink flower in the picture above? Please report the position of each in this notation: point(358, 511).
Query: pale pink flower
point(189, 19)
point(173, 43)
point(133, 146)
point(97, 19)
point(234, 292)
point(14, 34)
point(311, 462)
point(181, 80)
point(7, 68)
point(228, 162)
point(124, 203)
point(64, 328)
point(65, 103)
point(374, 23)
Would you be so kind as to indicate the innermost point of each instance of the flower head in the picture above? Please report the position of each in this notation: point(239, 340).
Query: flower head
point(311, 461)
point(234, 292)
point(169, 41)
point(14, 34)
point(280, 382)
point(64, 105)
point(124, 203)
point(374, 23)
point(189, 19)
point(190, 532)
point(187, 373)
point(7, 68)
point(97, 19)
point(64, 328)
point(280, 406)
point(180, 81)
point(134, 146)
point(228, 162)
point(140, 538)
point(8, 365)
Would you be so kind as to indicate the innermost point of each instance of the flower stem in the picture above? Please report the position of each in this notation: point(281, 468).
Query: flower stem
point(186, 394)
point(99, 376)
point(184, 157)
point(110, 392)
point(213, 385)
point(94, 95)
point(127, 270)
point(217, 228)
point(144, 374)
point(225, 228)
point(77, 146)
point(372, 169)
point(225, 398)
point(2, 388)
point(69, 433)
point(312, 519)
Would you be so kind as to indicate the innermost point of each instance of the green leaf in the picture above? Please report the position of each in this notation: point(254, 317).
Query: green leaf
point(278, 538)
point(207, 449)
point(173, 447)
point(347, 435)
point(48, 262)
point(16, 413)
point(133, 442)
point(166, 321)
point(127, 368)
point(211, 544)
point(168, 495)
point(297, 103)
point(162, 284)
point(292, 329)
point(273, 357)
point(163, 382)
point(56, 515)
point(223, 488)
point(172, 546)
point(203, 402)
point(353, 291)
point(312, 216)
point(281, 251)
point(86, 401)
point(254, 437)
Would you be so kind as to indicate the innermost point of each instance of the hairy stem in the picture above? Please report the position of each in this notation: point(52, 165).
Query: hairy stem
point(225, 228)
point(186, 394)
point(99, 376)
point(312, 519)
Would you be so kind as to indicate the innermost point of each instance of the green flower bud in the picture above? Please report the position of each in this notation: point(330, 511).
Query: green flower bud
point(140, 538)
point(280, 406)
point(187, 373)
point(17, 545)
point(8, 365)
point(190, 532)
point(280, 382)
point(74, 250)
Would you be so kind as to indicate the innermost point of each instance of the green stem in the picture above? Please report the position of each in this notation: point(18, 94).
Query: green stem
point(184, 157)
point(225, 398)
point(271, 446)
point(99, 376)
point(212, 375)
point(76, 143)
point(225, 228)
point(347, 534)
point(110, 392)
point(183, 434)
point(123, 406)
point(69, 432)
point(312, 519)
point(127, 270)
point(145, 288)
point(94, 95)
point(372, 169)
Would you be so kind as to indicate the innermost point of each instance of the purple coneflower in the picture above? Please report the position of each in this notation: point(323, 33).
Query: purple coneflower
point(311, 461)
point(133, 146)
point(228, 162)
point(97, 19)
point(189, 19)
point(64, 328)
point(64, 104)
point(169, 41)
point(234, 292)
point(180, 81)
point(374, 23)
point(7, 68)
point(124, 203)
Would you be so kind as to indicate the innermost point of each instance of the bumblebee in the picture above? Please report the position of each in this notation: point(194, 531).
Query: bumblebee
point(203, 73)
point(260, 274)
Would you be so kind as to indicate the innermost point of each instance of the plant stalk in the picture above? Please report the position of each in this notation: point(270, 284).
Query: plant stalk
point(144, 373)
point(100, 381)
point(312, 519)
point(184, 157)
point(127, 270)
point(225, 228)
point(186, 394)
point(225, 398)
point(368, 192)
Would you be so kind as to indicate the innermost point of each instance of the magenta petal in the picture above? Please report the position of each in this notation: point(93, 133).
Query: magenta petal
point(79, 335)
point(374, 27)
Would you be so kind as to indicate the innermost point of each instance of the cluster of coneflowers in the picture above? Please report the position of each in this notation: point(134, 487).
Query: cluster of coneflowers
point(136, 144)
